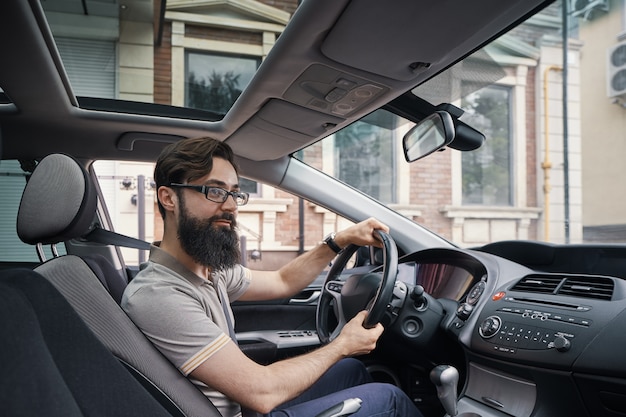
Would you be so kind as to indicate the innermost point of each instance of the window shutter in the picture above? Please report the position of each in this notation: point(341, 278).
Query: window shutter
point(90, 65)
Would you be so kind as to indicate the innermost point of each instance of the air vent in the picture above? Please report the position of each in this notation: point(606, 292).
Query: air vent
point(588, 287)
point(543, 284)
point(600, 288)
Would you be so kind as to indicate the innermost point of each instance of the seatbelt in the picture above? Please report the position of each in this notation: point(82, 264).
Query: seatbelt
point(224, 302)
point(107, 237)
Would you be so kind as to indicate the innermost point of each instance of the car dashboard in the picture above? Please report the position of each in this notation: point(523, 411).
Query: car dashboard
point(526, 325)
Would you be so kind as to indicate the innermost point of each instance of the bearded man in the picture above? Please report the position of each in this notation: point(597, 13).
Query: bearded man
point(181, 299)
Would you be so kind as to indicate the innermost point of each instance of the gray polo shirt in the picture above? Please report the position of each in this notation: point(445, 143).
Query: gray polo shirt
point(181, 314)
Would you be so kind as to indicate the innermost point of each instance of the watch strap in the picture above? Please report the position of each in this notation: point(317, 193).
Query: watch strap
point(330, 242)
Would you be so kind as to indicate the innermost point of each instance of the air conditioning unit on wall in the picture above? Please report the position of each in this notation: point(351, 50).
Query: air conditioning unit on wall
point(588, 8)
point(616, 71)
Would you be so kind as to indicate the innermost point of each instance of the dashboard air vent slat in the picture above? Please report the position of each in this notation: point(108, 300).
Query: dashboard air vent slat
point(543, 284)
point(588, 287)
point(599, 288)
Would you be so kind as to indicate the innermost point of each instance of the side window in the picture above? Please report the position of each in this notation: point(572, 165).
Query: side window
point(12, 249)
point(128, 192)
point(274, 227)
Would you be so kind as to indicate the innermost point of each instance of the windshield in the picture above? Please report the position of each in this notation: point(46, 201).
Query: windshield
point(538, 175)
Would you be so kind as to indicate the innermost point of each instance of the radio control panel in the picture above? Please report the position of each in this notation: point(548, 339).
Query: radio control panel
point(527, 331)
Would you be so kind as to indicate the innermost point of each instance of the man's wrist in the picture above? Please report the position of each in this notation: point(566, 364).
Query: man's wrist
point(329, 241)
point(338, 346)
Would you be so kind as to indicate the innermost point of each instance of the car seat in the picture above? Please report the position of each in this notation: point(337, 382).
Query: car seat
point(59, 204)
point(53, 365)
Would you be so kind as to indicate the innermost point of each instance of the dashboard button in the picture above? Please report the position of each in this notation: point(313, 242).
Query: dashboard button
point(490, 327)
point(499, 295)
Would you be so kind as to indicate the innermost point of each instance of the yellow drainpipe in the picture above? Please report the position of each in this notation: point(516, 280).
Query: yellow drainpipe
point(546, 165)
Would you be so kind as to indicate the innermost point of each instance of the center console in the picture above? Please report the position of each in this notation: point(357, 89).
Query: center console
point(533, 323)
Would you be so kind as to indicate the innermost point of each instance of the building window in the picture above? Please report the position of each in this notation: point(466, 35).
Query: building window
point(213, 82)
point(487, 172)
point(250, 186)
point(365, 155)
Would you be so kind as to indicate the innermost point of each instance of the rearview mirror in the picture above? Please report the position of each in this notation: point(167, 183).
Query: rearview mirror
point(429, 135)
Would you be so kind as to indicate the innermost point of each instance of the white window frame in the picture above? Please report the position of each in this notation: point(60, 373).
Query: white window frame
point(481, 224)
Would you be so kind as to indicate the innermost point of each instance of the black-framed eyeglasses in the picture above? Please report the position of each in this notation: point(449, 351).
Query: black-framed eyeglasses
point(216, 194)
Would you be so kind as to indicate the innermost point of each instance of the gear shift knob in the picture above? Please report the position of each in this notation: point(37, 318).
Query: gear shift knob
point(446, 378)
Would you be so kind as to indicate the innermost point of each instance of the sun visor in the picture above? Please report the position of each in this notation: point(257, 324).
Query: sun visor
point(395, 42)
point(285, 115)
point(292, 126)
point(366, 33)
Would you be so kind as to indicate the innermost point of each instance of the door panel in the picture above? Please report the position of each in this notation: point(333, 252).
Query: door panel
point(270, 331)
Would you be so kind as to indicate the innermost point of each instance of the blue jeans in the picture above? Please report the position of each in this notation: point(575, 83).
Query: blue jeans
point(349, 379)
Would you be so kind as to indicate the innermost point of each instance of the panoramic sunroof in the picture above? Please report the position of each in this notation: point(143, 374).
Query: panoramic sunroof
point(128, 52)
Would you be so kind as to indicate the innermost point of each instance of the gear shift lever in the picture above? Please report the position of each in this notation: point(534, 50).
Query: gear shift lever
point(446, 378)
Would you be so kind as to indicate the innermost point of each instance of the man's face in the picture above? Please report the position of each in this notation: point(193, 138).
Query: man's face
point(207, 229)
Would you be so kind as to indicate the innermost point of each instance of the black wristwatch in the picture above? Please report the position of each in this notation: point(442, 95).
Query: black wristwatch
point(329, 241)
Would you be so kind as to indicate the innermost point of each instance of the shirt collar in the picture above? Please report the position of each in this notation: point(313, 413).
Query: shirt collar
point(161, 257)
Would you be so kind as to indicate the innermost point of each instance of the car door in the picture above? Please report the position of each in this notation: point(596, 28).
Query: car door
point(271, 330)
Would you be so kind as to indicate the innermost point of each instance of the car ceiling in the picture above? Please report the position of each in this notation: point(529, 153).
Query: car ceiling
point(336, 61)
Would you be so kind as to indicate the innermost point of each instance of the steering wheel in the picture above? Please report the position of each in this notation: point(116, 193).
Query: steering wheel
point(370, 291)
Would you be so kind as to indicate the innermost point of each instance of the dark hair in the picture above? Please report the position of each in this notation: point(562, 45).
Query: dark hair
point(189, 159)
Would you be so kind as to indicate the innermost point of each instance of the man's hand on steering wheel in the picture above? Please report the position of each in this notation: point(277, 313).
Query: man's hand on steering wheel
point(355, 339)
point(343, 297)
point(362, 234)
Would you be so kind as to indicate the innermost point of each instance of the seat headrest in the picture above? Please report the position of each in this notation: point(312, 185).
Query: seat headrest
point(58, 203)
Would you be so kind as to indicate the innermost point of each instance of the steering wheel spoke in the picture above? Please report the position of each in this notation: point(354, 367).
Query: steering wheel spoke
point(334, 288)
point(371, 291)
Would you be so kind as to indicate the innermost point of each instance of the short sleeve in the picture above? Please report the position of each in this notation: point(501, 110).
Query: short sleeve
point(237, 280)
point(175, 319)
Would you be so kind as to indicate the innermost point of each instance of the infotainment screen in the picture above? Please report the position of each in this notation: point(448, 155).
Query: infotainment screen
point(407, 272)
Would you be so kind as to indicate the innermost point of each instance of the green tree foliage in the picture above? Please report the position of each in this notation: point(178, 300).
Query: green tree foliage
point(217, 94)
point(487, 171)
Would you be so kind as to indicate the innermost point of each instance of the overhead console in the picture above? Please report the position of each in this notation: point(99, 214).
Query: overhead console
point(316, 104)
point(293, 127)
point(331, 91)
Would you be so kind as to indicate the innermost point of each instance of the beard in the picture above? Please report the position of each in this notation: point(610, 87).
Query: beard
point(216, 247)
